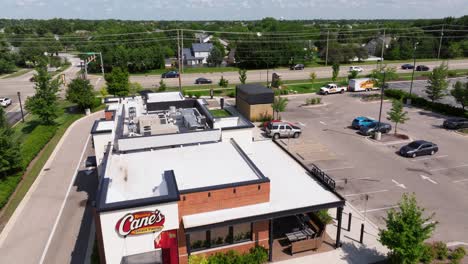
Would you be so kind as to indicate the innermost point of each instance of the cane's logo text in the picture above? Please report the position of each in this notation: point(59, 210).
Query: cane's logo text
point(140, 223)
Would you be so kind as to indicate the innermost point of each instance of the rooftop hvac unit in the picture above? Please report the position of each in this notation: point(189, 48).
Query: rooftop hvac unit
point(172, 109)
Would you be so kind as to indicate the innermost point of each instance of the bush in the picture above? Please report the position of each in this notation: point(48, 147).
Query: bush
point(428, 254)
point(457, 255)
point(423, 103)
point(231, 94)
point(217, 91)
point(324, 216)
point(452, 73)
point(190, 94)
point(265, 117)
point(313, 100)
point(440, 250)
point(197, 94)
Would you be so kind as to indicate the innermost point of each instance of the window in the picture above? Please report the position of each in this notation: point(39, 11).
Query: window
point(281, 127)
point(242, 232)
point(220, 236)
point(198, 240)
point(288, 127)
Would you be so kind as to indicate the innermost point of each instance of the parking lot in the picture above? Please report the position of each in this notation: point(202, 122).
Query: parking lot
point(363, 167)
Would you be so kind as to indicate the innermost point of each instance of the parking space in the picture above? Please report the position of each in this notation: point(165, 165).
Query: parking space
point(371, 175)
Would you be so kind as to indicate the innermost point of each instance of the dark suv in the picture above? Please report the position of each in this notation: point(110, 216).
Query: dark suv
point(170, 74)
point(422, 68)
point(456, 123)
point(297, 67)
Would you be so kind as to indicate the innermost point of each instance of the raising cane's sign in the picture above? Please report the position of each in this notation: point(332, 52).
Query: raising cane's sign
point(140, 223)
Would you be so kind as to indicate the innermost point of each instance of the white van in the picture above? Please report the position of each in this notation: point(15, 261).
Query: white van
point(363, 84)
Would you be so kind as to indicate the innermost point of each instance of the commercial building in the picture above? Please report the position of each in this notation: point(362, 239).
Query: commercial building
point(254, 101)
point(176, 181)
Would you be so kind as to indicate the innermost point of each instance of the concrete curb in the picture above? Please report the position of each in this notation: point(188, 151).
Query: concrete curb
point(6, 230)
point(389, 143)
point(314, 106)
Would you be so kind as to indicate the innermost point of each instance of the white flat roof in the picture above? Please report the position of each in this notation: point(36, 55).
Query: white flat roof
point(105, 125)
point(291, 187)
point(165, 97)
point(140, 174)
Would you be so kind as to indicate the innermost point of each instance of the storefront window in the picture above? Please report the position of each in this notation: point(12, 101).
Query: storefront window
point(198, 240)
point(242, 232)
point(220, 236)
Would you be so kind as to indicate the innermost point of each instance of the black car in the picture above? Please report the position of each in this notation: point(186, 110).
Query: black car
point(422, 68)
point(297, 67)
point(374, 127)
point(419, 148)
point(170, 74)
point(407, 66)
point(456, 123)
point(203, 81)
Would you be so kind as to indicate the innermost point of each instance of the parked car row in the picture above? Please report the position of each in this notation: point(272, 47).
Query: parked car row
point(368, 126)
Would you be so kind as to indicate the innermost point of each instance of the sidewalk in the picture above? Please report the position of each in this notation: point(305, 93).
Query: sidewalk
point(27, 235)
point(371, 251)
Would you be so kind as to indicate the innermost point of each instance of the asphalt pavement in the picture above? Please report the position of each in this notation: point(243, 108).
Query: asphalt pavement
point(364, 168)
point(54, 214)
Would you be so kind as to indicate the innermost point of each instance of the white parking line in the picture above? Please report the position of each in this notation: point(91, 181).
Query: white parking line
point(357, 194)
point(464, 180)
point(323, 123)
point(378, 209)
point(339, 168)
point(354, 179)
point(429, 158)
point(302, 124)
point(401, 185)
point(426, 178)
point(460, 166)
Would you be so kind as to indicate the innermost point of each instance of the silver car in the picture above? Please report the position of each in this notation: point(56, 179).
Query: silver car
point(282, 129)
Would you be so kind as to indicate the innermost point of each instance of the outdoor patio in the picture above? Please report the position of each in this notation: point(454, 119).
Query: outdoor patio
point(298, 236)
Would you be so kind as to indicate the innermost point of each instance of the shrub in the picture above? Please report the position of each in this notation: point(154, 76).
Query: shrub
point(440, 250)
point(265, 117)
point(231, 94)
point(452, 73)
point(197, 94)
point(197, 259)
point(457, 255)
point(190, 94)
point(284, 91)
point(428, 254)
point(217, 91)
point(324, 216)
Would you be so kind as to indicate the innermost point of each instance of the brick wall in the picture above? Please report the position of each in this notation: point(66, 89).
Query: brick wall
point(108, 115)
point(201, 202)
point(260, 234)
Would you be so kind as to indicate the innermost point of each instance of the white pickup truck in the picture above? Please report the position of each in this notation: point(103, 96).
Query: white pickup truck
point(332, 88)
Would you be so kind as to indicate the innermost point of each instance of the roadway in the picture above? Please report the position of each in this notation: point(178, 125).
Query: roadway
point(10, 86)
point(53, 222)
point(152, 81)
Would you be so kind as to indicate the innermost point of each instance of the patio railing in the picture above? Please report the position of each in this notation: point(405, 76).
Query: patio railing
point(322, 175)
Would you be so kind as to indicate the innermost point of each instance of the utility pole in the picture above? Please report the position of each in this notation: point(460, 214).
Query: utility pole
point(408, 101)
point(179, 59)
point(440, 42)
point(383, 47)
point(182, 50)
point(326, 51)
point(21, 106)
point(102, 64)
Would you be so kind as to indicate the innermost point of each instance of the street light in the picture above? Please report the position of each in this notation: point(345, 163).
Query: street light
point(381, 104)
point(408, 101)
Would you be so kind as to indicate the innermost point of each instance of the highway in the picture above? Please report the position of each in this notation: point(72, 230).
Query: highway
point(152, 81)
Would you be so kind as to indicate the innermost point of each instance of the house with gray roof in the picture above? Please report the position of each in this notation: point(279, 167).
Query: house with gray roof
point(197, 54)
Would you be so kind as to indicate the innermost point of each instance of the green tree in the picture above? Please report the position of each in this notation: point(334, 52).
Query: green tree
point(215, 58)
point(378, 75)
point(336, 71)
point(162, 86)
point(437, 83)
point(10, 158)
point(455, 50)
point(223, 82)
point(242, 75)
point(406, 230)
point(396, 113)
point(117, 82)
point(81, 92)
point(134, 88)
point(279, 105)
point(44, 102)
point(312, 77)
point(353, 75)
point(360, 53)
point(6, 66)
point(460, 93)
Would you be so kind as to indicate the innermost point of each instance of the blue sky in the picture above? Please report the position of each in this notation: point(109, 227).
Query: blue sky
point(232, 9)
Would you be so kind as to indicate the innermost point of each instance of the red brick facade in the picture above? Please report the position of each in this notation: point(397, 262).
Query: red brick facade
point(109, 115)
point(201, 202)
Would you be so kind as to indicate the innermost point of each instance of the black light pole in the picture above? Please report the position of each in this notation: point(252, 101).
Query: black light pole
point(412, 75)
point(381, 99)
point(21, 106)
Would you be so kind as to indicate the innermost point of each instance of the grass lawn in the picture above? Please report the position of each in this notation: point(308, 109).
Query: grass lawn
point(464, 130)
point(16, 74)
point(306, 87)
point(220, 113)
point(37, 144)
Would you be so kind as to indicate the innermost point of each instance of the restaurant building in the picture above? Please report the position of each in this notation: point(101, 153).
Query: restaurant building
point(176, 181)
